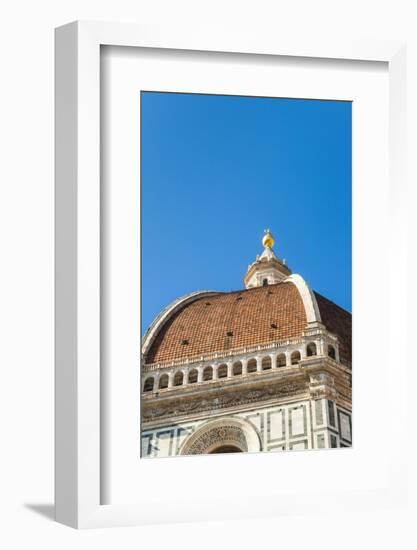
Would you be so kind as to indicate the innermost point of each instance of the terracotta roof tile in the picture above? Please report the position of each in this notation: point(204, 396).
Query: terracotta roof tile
point(202, 326)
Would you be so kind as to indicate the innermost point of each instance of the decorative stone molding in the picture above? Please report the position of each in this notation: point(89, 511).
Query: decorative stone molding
point(155, 410)
point(217, 433)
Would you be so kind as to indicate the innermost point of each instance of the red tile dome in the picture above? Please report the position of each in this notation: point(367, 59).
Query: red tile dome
point(220, 322)
point(226, 321)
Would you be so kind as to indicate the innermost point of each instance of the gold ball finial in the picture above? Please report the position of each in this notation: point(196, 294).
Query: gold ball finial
point(268, 241)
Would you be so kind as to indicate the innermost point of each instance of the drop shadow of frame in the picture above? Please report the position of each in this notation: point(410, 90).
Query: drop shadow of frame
point(45, 510)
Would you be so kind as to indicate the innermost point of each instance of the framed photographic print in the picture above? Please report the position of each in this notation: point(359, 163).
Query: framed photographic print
point(221, 245)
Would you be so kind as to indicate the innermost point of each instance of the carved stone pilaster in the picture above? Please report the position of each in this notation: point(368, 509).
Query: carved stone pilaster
point(322, 385)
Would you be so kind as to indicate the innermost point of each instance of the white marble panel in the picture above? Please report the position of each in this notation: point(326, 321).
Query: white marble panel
point(276, 425)
point(345, 427)
point(297, 421)
point(163, 443)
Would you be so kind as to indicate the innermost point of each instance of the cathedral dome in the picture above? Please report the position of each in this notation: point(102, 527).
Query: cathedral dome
point(232, 320)
point(208, 322)
point(276, 306)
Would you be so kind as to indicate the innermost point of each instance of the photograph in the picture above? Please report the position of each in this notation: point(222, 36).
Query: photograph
point(246, 274)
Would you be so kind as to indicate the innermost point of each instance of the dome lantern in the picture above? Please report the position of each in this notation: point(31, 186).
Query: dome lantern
point(267, 269)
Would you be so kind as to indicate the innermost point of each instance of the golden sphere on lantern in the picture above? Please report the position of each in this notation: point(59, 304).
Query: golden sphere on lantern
point(268, 241)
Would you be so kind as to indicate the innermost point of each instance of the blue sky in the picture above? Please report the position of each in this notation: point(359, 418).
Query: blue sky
point(218, 170)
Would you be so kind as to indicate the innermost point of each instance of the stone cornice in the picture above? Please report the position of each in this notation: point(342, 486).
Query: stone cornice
point(317, 363)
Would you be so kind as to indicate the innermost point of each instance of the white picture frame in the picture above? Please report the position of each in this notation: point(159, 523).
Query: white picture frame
point(78, 426)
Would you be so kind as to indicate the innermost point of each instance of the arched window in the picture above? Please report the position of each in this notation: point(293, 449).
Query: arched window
point(331, 352)
point(311, 349)
point(193, 376)
point(208, 374)
point(265, 282)
point(281, 360)
point(178, 378)
point(266, 363)
point(237, 369)
point(295, 357)
point(148, 385)
point(252, 366)
point(163, 381)
point(222, 371)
